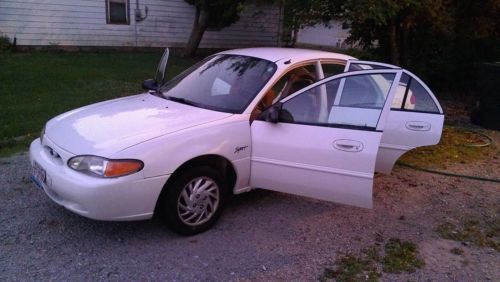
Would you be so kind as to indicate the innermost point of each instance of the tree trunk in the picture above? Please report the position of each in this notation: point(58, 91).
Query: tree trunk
point(199, 27)
point(393, 44)
point(405, 44)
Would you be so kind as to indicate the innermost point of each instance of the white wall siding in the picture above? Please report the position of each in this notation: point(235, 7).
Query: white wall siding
point(169, 23)
point(320, 35)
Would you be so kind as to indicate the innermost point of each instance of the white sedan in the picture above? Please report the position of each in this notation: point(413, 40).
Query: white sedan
point(304, 122)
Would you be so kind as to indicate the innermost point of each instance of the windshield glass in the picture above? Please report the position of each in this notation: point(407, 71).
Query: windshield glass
point(225, 83)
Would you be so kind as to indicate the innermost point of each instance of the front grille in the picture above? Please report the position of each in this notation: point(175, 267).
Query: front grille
point(54, 155)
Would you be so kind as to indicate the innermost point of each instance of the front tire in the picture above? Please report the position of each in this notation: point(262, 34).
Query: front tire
point(194, 201)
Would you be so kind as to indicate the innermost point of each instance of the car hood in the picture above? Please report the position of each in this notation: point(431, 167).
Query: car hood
point(111, 126)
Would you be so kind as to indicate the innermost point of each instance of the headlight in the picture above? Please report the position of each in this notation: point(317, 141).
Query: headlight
point(102, 167)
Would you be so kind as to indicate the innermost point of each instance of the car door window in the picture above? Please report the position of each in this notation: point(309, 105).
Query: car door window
point(364, 65)
point(293, 81)
point(402, 87)
point(353, 101)
point(419, 99)
point(331, 69)
point(359, 67)
point(410, 95)
point(401, 92)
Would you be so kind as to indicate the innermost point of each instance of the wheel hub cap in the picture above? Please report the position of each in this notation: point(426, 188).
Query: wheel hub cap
point(198, 201)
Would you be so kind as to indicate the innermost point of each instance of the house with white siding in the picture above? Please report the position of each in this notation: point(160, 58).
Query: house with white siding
point(332, 35)
point(131, 23)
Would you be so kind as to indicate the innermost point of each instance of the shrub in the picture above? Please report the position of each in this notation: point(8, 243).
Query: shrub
point(4, 43)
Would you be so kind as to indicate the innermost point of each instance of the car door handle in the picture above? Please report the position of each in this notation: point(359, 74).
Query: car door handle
point(418, 126)
point(348, 145)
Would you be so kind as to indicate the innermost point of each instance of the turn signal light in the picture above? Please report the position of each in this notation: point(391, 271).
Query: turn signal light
point(122, 167)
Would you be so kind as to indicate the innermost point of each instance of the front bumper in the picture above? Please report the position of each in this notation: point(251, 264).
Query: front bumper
point(130, 197)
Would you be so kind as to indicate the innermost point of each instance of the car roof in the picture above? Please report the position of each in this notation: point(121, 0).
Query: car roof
point(275, 54)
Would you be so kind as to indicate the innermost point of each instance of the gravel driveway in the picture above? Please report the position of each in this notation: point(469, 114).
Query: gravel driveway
point(261, 236)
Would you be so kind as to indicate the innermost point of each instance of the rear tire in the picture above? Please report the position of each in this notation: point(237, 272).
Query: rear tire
point(194, 201)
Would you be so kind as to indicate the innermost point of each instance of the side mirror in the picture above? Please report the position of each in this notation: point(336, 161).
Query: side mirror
point(149, 84)
point(273, 113)
point(161, 71)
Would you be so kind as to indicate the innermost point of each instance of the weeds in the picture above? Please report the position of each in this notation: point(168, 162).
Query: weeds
point(399, 256)
point(352, 268)
point(479, 233)
point(17, 144)
point(373, 253)
point(450, 150)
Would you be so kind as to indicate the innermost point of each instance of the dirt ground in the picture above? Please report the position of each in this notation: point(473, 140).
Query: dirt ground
point(449, 219)
point(453, 223)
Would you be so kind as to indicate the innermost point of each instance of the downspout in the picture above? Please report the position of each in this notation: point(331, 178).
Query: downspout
point(139, 18)
point(135, 23)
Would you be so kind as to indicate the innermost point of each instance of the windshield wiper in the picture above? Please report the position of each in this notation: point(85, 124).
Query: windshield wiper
point(180, 100)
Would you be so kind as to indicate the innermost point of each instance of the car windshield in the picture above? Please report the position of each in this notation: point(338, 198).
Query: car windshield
point(222, 82)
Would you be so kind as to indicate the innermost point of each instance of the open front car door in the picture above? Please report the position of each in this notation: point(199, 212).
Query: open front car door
point(325, 140)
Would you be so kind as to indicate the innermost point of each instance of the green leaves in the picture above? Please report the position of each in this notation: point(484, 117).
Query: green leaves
point(401, 256)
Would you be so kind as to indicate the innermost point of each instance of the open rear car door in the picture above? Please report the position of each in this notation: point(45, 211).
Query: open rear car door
point(415, 118)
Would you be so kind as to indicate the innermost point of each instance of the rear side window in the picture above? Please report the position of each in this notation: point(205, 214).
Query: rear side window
point(412, 96)
point(418, 99)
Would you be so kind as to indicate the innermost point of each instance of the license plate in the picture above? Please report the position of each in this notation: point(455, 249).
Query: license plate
point(38, 175)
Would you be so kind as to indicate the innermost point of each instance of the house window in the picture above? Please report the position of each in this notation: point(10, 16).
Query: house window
point(117, 12)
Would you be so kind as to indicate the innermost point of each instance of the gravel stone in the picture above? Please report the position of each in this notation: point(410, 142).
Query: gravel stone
point(262, 235)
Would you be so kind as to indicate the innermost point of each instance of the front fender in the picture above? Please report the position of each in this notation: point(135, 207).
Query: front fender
point(229, 138)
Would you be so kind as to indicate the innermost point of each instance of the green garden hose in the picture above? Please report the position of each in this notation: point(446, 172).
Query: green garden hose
point(449, 173)
point(446, 173)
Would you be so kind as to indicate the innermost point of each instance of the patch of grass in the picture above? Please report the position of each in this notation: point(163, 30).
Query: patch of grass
point(373, 253)
point(351, 268)
point(480, 233)
point(401, 256)
point(450, 150)
point(9, 147)
point(37, 86)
